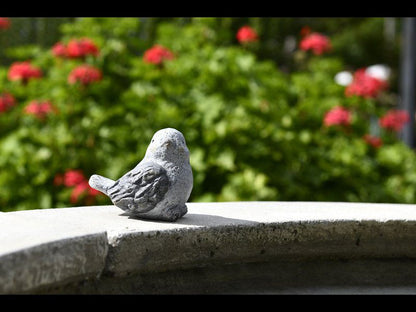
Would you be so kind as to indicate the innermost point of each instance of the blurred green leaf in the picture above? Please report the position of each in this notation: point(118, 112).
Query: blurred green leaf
point(252, 115)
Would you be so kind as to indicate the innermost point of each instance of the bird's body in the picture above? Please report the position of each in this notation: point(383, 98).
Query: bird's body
point(159, 186)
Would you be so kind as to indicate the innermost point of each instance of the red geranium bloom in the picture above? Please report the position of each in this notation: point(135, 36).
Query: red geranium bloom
point(6, 101)
point(73, 177)
point(82, 189)
point(337, 116)
point(316, 42)
point(246, 34)
point(4, 22)
point(394, 119)
point(157, 54)
point(89, 47)
point(79, 190)
point(59, 50)
point(374, 141)
point(39, 109)
point(78, 48)
point(85, 74)
point(23, 71)
point(365, 85)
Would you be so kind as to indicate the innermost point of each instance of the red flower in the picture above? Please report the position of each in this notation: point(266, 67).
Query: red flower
point(374, 141)
point(23, 71)
point(246, 34)
point(316, 42)
point(394, 119)
point(4, 22)
point(73, 177)
point(157, 54)
point(83, 189)
point(365, 85)
point(39, 109)
point(85, 74)
point(59, 50)
point(89, 47)
point(78, 48)
point(337, 116)
point(79, 190)
point(6, 101)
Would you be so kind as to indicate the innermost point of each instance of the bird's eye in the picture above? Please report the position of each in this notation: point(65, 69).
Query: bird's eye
point(153, 140)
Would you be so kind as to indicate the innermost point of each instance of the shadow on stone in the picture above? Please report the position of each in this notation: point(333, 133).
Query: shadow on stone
point(212, 220)
point(197, 219)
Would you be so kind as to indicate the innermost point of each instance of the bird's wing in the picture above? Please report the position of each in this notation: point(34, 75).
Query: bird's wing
point(141, 188)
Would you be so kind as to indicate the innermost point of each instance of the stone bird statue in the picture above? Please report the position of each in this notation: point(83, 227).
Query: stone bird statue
point(159, 186)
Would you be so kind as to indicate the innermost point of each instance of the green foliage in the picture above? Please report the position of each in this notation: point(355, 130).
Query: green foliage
point(254, 132)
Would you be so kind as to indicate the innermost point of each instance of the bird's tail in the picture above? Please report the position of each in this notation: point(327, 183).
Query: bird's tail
point(100, 183)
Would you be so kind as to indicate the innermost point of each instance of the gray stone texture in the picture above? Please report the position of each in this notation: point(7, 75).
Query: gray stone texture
point(227, 247)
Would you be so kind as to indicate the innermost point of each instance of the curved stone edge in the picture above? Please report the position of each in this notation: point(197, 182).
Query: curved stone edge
point(267, 257)
point(53, 263)
point(71, 245)
point(290, 241)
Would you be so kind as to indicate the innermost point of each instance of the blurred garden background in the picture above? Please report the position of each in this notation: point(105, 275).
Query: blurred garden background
point(282, 109)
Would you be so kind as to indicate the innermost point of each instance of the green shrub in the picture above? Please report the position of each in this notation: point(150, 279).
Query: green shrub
point(254, 132)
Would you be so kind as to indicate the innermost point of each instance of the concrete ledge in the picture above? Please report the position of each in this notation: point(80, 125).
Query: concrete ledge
point(99, 249)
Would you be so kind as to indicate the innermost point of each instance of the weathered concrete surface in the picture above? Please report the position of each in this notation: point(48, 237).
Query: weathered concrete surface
point(43, 249)
point(354, 276)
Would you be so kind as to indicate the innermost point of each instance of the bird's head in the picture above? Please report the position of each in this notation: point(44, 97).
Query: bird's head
point(168, 144)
